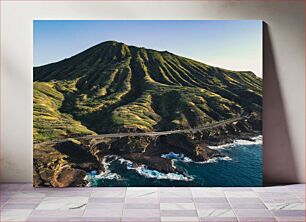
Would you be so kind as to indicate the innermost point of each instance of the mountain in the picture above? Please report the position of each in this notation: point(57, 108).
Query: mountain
point(113, 87)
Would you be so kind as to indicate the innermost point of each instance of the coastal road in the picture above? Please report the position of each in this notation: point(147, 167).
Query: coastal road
point(151, 134)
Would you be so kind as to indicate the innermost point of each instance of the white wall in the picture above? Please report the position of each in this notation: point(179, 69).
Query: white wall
point(284, 79)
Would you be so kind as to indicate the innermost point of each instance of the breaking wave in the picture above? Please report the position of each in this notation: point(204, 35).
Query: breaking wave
point(176, 156)
point(143, 170)
point(215, 160)
point(92, 177)
point(182, 158)
point(254, 141)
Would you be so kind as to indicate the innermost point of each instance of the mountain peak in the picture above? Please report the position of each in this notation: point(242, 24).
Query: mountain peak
point(110, 42)
point(118, 77)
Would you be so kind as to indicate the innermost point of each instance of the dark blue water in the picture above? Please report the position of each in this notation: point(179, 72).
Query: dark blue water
point(241, 167)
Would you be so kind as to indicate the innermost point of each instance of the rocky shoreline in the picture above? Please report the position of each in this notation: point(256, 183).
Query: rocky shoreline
point(67, 163)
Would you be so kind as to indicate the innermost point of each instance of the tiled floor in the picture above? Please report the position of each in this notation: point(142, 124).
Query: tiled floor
point(20, 202)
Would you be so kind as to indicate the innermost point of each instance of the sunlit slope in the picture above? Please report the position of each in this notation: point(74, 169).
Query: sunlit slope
point(113, 87)
point(49, 123)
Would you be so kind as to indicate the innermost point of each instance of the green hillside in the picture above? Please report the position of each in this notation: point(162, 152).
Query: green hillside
point(113, 87)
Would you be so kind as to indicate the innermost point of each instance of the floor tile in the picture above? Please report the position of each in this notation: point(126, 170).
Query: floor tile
point(16, 200)
point(240, 194)
point(176, 193)
point(266, 192)
point(109, 206)
point(200, 206)
point(14, 214)
point(10, 187)
point(54, 219)
point(140, 219)
point(246, 200)
point(256, 219)
point(61, 193)
point(176, 200)
point(279, 189)
point(143, 189)
point(246, 203)
point(202, 192)
point(97, 189)
point(178, 213)
point(219, 219)
point(296, 186)
point(300, 195)
point(28, 187)
point(102, 219)
point(237, 189)
point(62, 203)
point(179, 219)
point(142, 193)
point(291, 219)
point(3, 200)
point(57, 213)
point(103, 213)
point(259, 213)
point(105, 200)
point(28, 194)
point(142, 213)
point(141, 206)
point(176, 189)
point(289, 213)
point(19, 206)
point(177, 206)
point(141, 200)
point(281, 200)
point(210, 200)
point(265, 204)
point(216, 213)
point(273, 197)
point(109, 194)
point(285, 206)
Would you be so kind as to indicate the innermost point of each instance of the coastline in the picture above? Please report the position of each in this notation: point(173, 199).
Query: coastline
point(80, 158)
point(145, 171)
point(254, 140)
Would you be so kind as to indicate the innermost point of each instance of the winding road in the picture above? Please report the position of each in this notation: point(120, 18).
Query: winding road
point(152, 134)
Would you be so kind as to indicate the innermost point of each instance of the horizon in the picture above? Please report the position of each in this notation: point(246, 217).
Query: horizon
point(54, 40)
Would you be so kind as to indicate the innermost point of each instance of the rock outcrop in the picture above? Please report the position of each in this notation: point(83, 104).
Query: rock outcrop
point(66, 164)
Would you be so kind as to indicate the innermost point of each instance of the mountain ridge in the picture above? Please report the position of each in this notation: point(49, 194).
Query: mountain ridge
point(141, 47)
point(129, 88)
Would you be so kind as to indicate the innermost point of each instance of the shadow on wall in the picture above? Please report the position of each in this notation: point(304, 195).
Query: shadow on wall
point(278, 160)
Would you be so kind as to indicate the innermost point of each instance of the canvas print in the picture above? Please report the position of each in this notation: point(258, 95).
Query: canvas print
point(147, 103)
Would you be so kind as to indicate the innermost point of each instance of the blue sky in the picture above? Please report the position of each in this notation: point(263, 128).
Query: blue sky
point(230, 44)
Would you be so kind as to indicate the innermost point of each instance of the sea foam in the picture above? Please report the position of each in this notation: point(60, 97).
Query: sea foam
point(182, 158)
point(143, 170)
point(107, 174)
point(255, 141)
point(215, 160)
point(176, 156)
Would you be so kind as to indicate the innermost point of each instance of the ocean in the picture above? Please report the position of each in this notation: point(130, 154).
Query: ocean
point(242, 166)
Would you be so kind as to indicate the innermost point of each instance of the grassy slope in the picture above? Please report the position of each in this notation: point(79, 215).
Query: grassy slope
point(114, 87)
point(49, 123)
